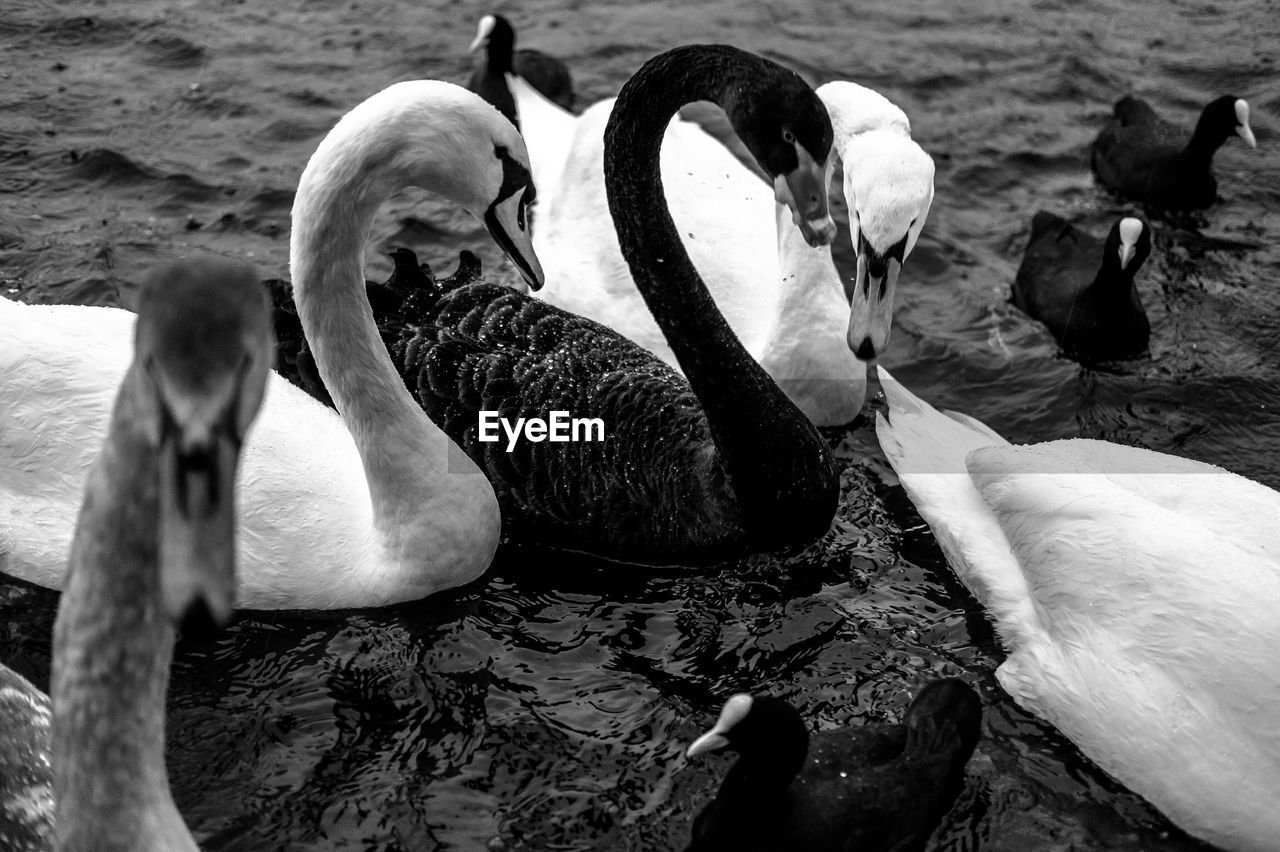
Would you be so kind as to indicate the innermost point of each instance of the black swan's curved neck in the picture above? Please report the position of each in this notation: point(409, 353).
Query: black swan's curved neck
point(775, 458)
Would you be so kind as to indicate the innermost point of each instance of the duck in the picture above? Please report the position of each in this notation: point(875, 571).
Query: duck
point(874, 787)
point(1082, 288)
point(1144, 157)
point(153, 553)
point(367, 506)
point(693, 469)
point(1135, 594)
point(783, 298)
point(548, 75)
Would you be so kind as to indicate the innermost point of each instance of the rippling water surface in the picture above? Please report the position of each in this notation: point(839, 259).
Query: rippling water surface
point(547, 706)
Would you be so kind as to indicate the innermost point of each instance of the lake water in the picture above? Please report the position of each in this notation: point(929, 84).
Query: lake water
point(548, 705)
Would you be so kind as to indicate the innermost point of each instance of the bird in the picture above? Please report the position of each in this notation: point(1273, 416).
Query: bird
point(874, 787)
point(1135, 593)
point(1142, 156)
point(691, 471)
point(370, 506)
point(542, 71)
point(888, 186)
point(783, 299)
point(1082, 288)
point(153, 552)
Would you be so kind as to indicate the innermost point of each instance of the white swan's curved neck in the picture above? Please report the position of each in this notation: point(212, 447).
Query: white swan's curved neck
point(405, 456)
point(112, 647)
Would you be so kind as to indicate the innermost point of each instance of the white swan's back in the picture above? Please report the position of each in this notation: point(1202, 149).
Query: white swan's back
point(312, 535)
point(547, 129)
point(860, 109)
point(1135, 593)
point(699, 174)
point(305, 508)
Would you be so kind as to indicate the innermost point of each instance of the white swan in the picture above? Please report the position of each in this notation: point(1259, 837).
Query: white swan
point(783, 299)
point(1136, 594)
point(153, 548)
point(395, 514)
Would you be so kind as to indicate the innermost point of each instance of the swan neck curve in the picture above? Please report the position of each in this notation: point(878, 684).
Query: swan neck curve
point(745, 409)
point(405, 456)
point(111, 652)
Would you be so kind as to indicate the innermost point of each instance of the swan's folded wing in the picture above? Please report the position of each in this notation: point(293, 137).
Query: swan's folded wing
point(1166, 587)
point(1225, 504)
point(492, 349)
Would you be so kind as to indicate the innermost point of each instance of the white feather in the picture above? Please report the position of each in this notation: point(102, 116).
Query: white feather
point(783, 299)
point(1136, 593)
point(310, 536)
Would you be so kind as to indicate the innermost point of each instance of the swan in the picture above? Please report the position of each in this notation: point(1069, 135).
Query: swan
point(690, 471)
point(547, 74)
point(783, 299)
point(1141, 155)
point(1135, 593)
point(370, 508)
point(152, 549)
point(872, 788)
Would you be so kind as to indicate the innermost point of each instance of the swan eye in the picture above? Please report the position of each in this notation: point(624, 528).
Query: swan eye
point(526, 201)
point(788, 136)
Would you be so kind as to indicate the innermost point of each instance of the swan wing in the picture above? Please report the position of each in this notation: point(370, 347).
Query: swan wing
point(60, 370)
point(488, 348)
point(1138, 619)
point(548, 130)
point(305, 535)
point(1227, 505)
point(724, 215)
point(1157, 657)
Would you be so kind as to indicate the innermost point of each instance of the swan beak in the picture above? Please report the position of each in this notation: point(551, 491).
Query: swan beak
point(1245, 132)
point(711, 741)
point(508, 224)
point(804, 190)
point(871, 308)
point(197, 524)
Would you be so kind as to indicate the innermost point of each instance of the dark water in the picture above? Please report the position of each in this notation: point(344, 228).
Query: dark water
point(549, 704)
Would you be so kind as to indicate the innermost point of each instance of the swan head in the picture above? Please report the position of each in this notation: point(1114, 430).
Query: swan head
point(430, 134)
point(204, 347)
point(507, 216)
point(1129, 241)
point(888, 185)
point(786, 128)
